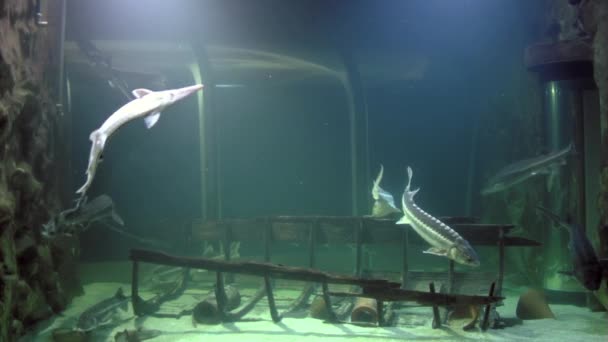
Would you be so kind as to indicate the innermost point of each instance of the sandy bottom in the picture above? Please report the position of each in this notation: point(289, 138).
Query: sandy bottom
point(571, 324)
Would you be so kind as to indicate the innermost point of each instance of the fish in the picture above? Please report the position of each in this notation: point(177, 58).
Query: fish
point(103, 313)
point(520, 171)
point(444, 240)
point(384, 204)
point(78, 219)
point(147, 104)
point(587, 268)
point(134, 335)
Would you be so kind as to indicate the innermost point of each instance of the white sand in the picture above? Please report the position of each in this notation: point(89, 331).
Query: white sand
point(572, 324)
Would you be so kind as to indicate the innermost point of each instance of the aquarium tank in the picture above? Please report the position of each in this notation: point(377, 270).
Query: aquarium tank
point(267, 170)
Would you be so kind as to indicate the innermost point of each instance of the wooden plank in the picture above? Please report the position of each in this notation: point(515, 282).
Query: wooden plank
point(256, 268)
point(338, 229)
point(420, 297)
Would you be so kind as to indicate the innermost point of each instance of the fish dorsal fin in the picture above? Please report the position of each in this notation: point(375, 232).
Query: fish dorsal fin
point(413, 193)
point(151, 119)
point(119, 293)
point(376, 187)
point(410, 174)
point(141, 92)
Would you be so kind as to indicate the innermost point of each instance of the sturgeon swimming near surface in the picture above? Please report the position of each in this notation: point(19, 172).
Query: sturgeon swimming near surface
point(147, 104)
point(444, 240)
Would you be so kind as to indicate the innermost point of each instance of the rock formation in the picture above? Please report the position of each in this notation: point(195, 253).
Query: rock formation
point(31, 288)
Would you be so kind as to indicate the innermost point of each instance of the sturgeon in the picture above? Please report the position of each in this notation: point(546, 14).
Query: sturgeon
point(103, 313)
point(384, 204)
point(587, 268)
point(520, 171)
point(444, 240)
point(147, 104)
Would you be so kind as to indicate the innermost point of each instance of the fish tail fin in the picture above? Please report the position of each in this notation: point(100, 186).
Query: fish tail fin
point(376, 187)
point(99, 138)
point(572, 149)
point(552, 216)
point(117, 218)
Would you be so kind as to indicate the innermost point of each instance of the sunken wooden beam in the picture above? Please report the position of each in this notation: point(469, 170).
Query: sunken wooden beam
point(256, 268)
point(420, 297)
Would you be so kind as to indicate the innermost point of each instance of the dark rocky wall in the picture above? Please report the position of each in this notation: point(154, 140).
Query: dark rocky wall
point(30, 285)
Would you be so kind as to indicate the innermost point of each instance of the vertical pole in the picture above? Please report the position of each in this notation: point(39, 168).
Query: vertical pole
point(501, 260)
point(404, 263)
point(135, 288)
point(436, 317)
point(220, 294)
point(358, 246)
point(486, 314)
point(271, 303)
point(359, 135)
point(326, 298)
point(451, 276)
point(267, 239)
point(312, 240)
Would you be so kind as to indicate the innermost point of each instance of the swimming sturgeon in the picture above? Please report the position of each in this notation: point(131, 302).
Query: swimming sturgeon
point(384, 204)
point(587, 268)
point(546, 164)
point(103, 313)
point(444, 240)
point(147, 104)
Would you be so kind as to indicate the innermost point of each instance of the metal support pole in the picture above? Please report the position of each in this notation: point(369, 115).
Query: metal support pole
point(380, 311)
point(312, 241)
point(358, 247)
point(267, 239)
point(273, 308)
point(330, 312)
point(404, 262)
point(220, 295)
point(436, 317)
point(226, 242)
point(501, 261)
point(135, 288)
point(451, 275)
point(486, 314)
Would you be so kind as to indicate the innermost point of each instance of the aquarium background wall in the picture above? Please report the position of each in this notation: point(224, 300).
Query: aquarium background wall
point(437, 86)
point(303, 101)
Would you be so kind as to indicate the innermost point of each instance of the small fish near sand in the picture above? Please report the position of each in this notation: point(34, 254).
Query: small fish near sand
point(520, 171)
point(103, 313)
point(147, 104)
point(384, 204)
point(586, 265)
point(444, 240)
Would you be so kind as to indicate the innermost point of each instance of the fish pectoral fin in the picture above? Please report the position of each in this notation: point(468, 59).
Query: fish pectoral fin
point(141, 92)
point(436, 251)
point(404, 220)
point(151, 119)
point(117, 218)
